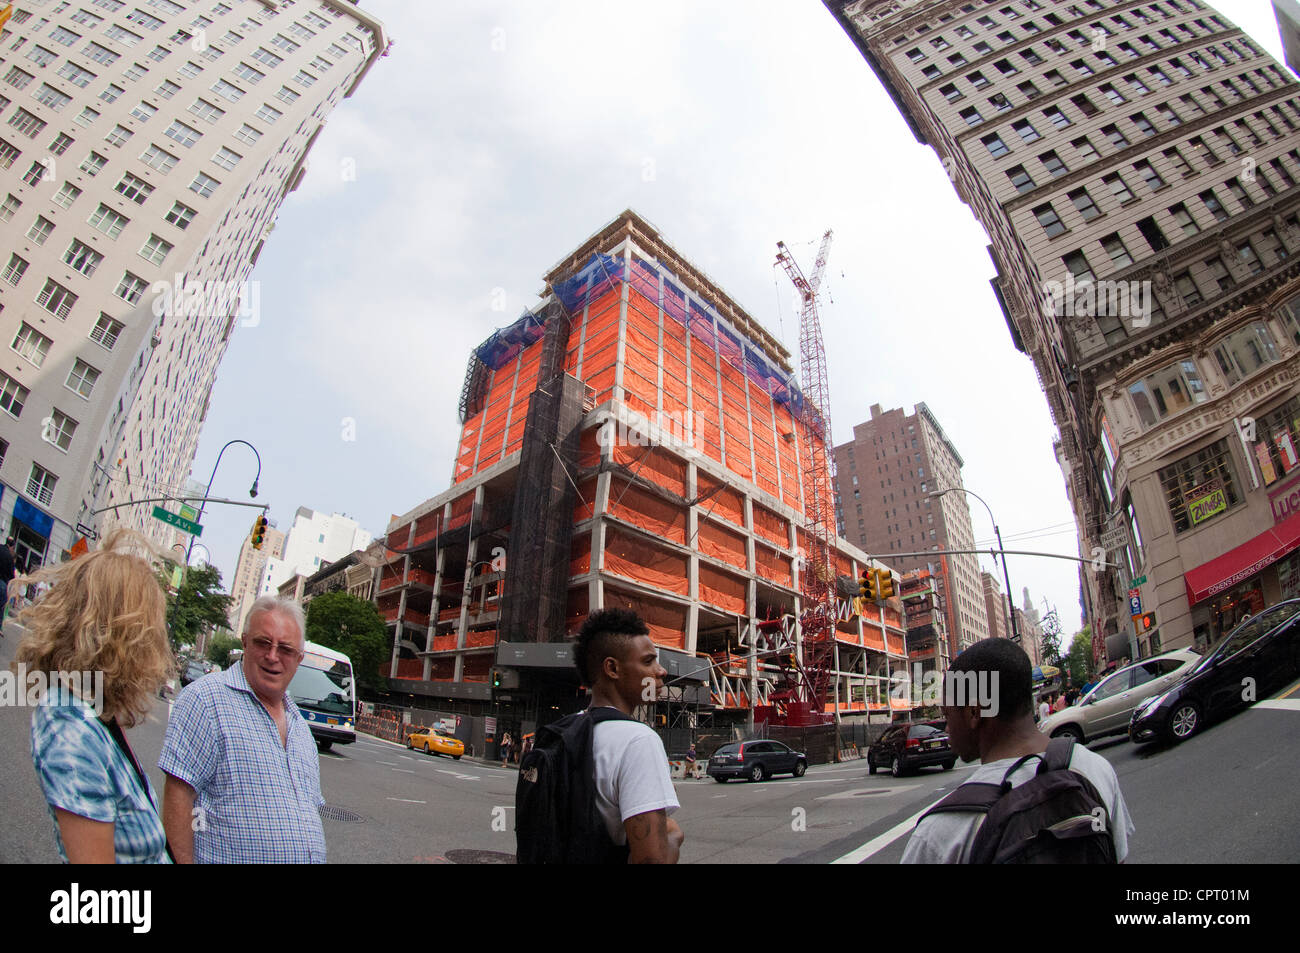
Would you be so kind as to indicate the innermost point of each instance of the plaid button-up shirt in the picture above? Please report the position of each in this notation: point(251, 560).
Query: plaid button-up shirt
point(258, 801)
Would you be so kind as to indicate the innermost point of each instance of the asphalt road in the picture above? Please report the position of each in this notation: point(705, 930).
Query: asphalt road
point(1228, 795)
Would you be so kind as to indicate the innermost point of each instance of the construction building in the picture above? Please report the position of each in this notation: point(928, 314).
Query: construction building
point(892, 481)
point(926, 619)
point(635, 440)
point(145, 152)
point(1135, 166)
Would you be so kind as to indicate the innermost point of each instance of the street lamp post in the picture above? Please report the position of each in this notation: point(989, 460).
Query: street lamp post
point(202, 503)
point(1006, 575)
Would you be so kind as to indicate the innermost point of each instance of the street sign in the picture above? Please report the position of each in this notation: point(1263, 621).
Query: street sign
point(1135, 602)
point(1114, 538)
point(1140, 580)
point(180, 522)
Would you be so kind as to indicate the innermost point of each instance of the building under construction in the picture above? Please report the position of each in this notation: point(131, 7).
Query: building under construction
point(635, 440)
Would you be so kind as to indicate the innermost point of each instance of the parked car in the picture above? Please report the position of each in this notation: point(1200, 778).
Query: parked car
point(1258, 656)
point(756, 760)
point(909, 745)
point(1108, 706)
point(195, 670)
point(432, 741)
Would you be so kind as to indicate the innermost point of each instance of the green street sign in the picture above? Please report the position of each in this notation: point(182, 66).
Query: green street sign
point(1139, 580)
point(180, 522)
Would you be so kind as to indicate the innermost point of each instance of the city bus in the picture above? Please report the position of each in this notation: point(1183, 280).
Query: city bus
point(325, 693)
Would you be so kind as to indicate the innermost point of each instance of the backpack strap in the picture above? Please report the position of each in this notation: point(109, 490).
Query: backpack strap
point(976, 796)
point(1058, 754)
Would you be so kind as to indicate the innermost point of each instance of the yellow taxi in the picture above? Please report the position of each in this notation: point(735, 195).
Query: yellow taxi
point(432, 741)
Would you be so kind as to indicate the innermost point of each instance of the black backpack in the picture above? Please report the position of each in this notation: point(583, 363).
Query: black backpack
point(556, 821)
point(1056, 817)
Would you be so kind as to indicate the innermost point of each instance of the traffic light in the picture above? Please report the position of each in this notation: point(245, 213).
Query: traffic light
point(869, 585)
point(1146, 622)
point(885, 584)
point(496, 678)
point(259, 532)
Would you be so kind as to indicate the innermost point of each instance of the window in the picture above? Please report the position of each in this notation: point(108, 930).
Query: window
point(228, 90)
point(158, 158)
point(16, 268)
point(82, 378)
point(56, 299)
point(40, 229)
point(1200, 486)
point(190, 69)
point(915, 54)
point(1168, 115)
point(82, 258)
point(1212, 203)
point(978, 80)
point(59, 430)
point(1167, 392)
point(31, 344)
point(1000, 102)
point(204, 185)
point(67, 195)
point(206, 110)
point(167, 89)
point(226, 158)
point(1082, 68)
point(248, 134)
point(181, 215)
point(87, 116)
point(155, 250)
point(1113, 94)
point(18, 78)
point(143, 111)
point(1178, 162)
point(118, 136)
point(49, 96)
point(1114, 247)
point(27, 123)
point(1243, 352)
point(1057, 117)
point(40, 485)
point(1184, 218)
point(1026, 130)
point(1152, 233)
point(61, 143)
point(286, 95)
point(1149, 174)
point(106, 331)
point(1248, 258)
point(280, 41)
point(1047, 217)
point(1005, 68)
point(246, 72)
point(951, 93)
point(134, 188)
point(130, 288)
point(1053, 164)
point(1116, 137)
point(1220, 275)
point(268, 113)
point(182, 133)
point(1086, 152)
point(1204, 151)
point(996, 146)
point(1136, 84)
point(12, 395)
point(159, 53)
point(263, 55)
point(305, 79)
point(1187, 289)
point(1084, 204)
point(1020, 179)
point(108, 221)
point(1084, 105)
point(1143, 123)
point(1239, 193)
point(972, 116)
point(1078, 266)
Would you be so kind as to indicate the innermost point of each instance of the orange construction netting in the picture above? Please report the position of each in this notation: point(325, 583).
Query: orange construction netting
point(722, 544)
point(666, 621)
point(644, 562)
point(722, 589)
point(643, 509)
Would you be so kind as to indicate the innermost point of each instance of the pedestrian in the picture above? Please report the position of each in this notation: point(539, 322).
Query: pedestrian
point(243, 775)
point(1044, 709)
point(690, 761)
point(1058, 703)
point(7, 572)
point(1013, 752)
point(616, 791)
point(505, 748)
point(100, 639)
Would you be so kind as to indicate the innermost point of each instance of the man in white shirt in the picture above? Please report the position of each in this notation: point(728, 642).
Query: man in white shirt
point(998, 729)
point(634, 790)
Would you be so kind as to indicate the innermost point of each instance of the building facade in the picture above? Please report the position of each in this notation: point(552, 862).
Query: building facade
point(1135, 168)
point(144, 155)
point(888, 476)
point(246, 585)
point(995, 607)
point(314, 540)
point(637, 440)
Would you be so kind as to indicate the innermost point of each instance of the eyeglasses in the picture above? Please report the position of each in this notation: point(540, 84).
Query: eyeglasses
point(264, 646)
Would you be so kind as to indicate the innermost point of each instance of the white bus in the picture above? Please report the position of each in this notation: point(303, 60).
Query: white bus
point(325, 693)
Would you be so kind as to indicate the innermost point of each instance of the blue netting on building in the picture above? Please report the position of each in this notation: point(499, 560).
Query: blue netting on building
point(602, 274)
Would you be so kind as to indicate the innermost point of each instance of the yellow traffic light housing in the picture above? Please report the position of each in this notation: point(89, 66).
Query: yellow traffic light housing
point(259, 532)
point(885, 584)
point(872, 580)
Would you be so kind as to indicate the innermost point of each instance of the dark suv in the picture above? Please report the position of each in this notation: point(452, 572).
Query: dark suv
point(910, 745)
point(756, 760)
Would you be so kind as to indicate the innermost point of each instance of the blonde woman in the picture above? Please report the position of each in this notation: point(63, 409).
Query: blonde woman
point(99, 638)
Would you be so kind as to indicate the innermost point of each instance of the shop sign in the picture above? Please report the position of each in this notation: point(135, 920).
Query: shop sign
point(1205, 501)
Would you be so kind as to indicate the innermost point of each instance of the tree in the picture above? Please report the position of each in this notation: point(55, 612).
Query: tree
point(1051, 628)
point(1079, 661)
point(352, 626)
point(198, 603)
point(220, 648)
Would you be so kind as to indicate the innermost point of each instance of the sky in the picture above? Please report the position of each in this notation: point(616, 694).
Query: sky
point(496, 137)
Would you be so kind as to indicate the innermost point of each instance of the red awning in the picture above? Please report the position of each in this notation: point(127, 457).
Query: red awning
point(1239, 564)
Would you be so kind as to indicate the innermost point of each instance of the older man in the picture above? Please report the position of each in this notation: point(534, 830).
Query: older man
point(243, 776)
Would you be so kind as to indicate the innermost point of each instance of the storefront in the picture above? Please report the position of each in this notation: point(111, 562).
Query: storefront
point(1243, 581)
point(30, 529)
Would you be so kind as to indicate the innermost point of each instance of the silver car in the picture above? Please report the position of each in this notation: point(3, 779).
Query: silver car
point(1107, 708)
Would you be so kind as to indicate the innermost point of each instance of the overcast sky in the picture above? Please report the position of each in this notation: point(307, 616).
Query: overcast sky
point(497, 137)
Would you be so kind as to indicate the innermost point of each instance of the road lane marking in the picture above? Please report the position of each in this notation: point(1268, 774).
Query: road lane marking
point(1283, 704)
point(406, 800)
point(403, 770)
point(391, 764)
point(877, 844)
point(867, 792)
point(457, 774)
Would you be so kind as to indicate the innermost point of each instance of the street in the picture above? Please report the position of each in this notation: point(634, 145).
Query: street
point(1228, 795)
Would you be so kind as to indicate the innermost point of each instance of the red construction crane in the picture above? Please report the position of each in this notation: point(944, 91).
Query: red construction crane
point(801, 700)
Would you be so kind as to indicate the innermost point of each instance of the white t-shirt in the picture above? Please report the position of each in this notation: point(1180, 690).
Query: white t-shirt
point(949, 838)
point(1044, 709)
point(632, 774)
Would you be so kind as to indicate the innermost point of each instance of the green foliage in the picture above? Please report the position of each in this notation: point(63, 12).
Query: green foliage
point(352, 626)
point(198, 604)
point(220, 647)
point(1079, 661)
